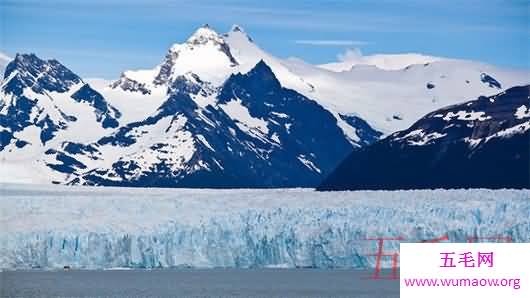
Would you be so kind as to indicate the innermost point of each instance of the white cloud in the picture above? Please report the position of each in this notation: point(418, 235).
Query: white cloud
point(4, 61)
point(350, 55)
point(330, 42)
point(5, 57)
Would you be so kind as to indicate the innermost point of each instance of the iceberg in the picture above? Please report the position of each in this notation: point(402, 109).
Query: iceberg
point(54, 226)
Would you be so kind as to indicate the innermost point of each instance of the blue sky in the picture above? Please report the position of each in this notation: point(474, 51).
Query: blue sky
point(102, 38)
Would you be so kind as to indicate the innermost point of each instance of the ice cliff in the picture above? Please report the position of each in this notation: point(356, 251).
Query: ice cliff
point(55, 226)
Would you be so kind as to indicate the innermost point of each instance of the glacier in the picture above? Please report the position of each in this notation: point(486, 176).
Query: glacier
point(53, 226)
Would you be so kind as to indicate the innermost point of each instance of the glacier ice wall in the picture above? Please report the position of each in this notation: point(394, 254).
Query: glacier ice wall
point(54, 226)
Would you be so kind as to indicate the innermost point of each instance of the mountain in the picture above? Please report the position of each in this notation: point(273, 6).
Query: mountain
point(217, 111)
point(205, 53)
point(389, 92)
point(392, 100)
point(248, 132)
point(211, 56)
point(43, 103)
point(480, 143)
point(49, 97)
point(252, 133)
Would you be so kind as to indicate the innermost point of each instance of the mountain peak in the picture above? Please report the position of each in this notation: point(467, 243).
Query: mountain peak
point(259, 77)
point(205, 53)
point(236, 28)
point(41, 75)
point(24, 60)
point(22, 56)
point(262, 68)
point(203, 35)
point(28, 62)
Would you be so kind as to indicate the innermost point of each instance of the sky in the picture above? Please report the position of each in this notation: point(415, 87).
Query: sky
point(102, 38)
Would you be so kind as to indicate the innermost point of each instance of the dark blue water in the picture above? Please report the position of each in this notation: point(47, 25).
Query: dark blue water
point(197, 283)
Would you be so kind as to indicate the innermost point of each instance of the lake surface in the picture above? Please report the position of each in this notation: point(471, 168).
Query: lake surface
point(250, 283)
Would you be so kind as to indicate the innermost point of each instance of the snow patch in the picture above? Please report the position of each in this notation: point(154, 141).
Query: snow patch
point(309, 164)
point(466, 116)
point(281, 115)
point(205, 142)
point(238, 112)
point(517, 129)
point(522, 112)
point(418, 137)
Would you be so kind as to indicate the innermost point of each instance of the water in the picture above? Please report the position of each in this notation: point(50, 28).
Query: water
point(252, 283)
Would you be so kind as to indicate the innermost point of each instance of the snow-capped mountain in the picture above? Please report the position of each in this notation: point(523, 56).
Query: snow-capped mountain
point(211, 56)
point(42, 104)
point(200, 118)
point(49, 96)
point(248, 132)
point(392, 100)
point(251, 132)
point(480, 143)
point(390, 92)
point(205, 53)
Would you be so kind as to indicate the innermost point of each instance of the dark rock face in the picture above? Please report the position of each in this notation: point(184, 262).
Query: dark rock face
point(480, 143)
point(364, 131)
point(165, 69)
point(128, 84)
point(16, 119)
point(105, 113)
point(487, 79)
